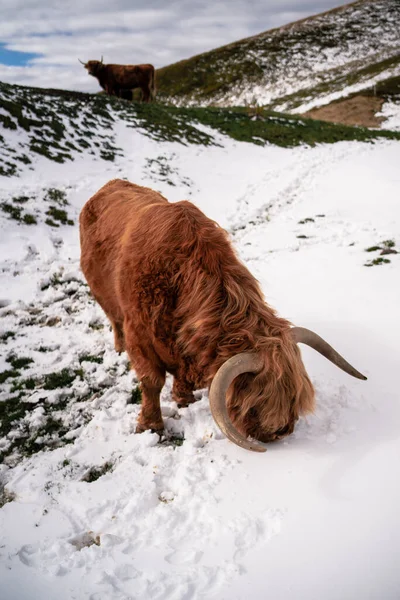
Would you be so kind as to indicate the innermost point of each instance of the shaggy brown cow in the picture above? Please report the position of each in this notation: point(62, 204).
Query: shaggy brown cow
point(117, 80)
point(179, 300)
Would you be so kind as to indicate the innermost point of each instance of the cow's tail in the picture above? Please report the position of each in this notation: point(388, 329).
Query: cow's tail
point(152, 85)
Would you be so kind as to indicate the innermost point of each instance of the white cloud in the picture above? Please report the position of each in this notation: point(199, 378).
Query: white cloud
point(152, 32)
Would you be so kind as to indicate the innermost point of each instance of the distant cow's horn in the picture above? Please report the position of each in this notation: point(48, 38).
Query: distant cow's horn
point(245, 362)
point(101, 60)
point(308, 337)
point(81, 62)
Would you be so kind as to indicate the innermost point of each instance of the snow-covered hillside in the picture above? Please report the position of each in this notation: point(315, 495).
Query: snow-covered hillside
point(93, 511)
point(295, 67)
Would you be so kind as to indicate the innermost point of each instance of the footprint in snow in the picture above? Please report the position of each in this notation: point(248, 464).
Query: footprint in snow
point(184, 557)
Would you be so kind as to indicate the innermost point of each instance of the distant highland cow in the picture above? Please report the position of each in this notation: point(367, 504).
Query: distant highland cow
point(120, 80)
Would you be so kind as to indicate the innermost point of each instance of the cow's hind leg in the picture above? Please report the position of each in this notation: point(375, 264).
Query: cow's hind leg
point(119, 339)
point(151, 374)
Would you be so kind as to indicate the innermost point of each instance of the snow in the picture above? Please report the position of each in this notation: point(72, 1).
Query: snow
point(316, 516)
point(391, 112)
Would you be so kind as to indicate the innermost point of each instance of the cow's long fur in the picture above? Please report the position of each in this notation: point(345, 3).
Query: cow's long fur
point(181, 301)
point(119, 80)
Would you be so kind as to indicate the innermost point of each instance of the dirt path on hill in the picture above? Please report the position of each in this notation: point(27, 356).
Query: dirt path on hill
point(358, 110)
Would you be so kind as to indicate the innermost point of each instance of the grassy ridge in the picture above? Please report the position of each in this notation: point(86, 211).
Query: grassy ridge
point(61, 125)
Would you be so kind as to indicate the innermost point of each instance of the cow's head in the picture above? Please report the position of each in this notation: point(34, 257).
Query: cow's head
point(261, 395)
point(93, 66)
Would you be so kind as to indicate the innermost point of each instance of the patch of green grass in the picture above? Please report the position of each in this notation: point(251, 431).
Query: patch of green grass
point(46, 149)
point(50, 435)
point(21, 362)
point(11, 410)
point(54, 281)
point(32, 438)
point(282, 130)
point(7, 335)
point(21, 199)
point(83, 143)
point(43, 119)
point(59, 379)
point(95, 473)
point(377, 261)
point(96, 325)
point(91, 358)
point(8, 123)
point(24, 159)
point(4, 375)
point(7, 169)
point(60, 215)
point(29, 219)
point(136, 396)
point(6, 497)
point(178, 124)
point(57, 196)
point(13, 211)
point(172, 440)
point(30, 383)
point(51, 223)
point(386, 247)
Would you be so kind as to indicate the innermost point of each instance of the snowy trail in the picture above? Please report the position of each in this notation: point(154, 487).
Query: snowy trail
point(317, 515)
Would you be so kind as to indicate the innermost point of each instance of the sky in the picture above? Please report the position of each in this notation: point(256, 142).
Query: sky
point(40, 43)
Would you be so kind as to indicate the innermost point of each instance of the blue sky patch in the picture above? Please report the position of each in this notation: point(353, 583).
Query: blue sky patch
point(13, 58)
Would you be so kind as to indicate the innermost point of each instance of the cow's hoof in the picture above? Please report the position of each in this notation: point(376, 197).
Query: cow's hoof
point(159, 429)
point(184, 401)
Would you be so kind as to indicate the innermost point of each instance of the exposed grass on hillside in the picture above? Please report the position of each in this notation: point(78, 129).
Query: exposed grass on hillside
point(240, 124)
point(54, 215)
point(178, 124)
point(94, 116)
point(363, 36)
point(40, 407)
point(280, 130)
point(53, 124)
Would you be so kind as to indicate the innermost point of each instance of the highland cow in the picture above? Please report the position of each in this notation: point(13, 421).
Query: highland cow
point(120, 80)
point(180, 301)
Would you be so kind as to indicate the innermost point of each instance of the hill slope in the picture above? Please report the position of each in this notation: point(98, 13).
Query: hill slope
point(299, 63)
point(61, 126)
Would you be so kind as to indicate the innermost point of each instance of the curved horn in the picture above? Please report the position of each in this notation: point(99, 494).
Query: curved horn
point(308, 337)
point(101, 59)
point(245, 362)
point(81, 62)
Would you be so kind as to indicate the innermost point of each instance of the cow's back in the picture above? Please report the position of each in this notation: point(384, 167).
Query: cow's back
point(106, 221)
